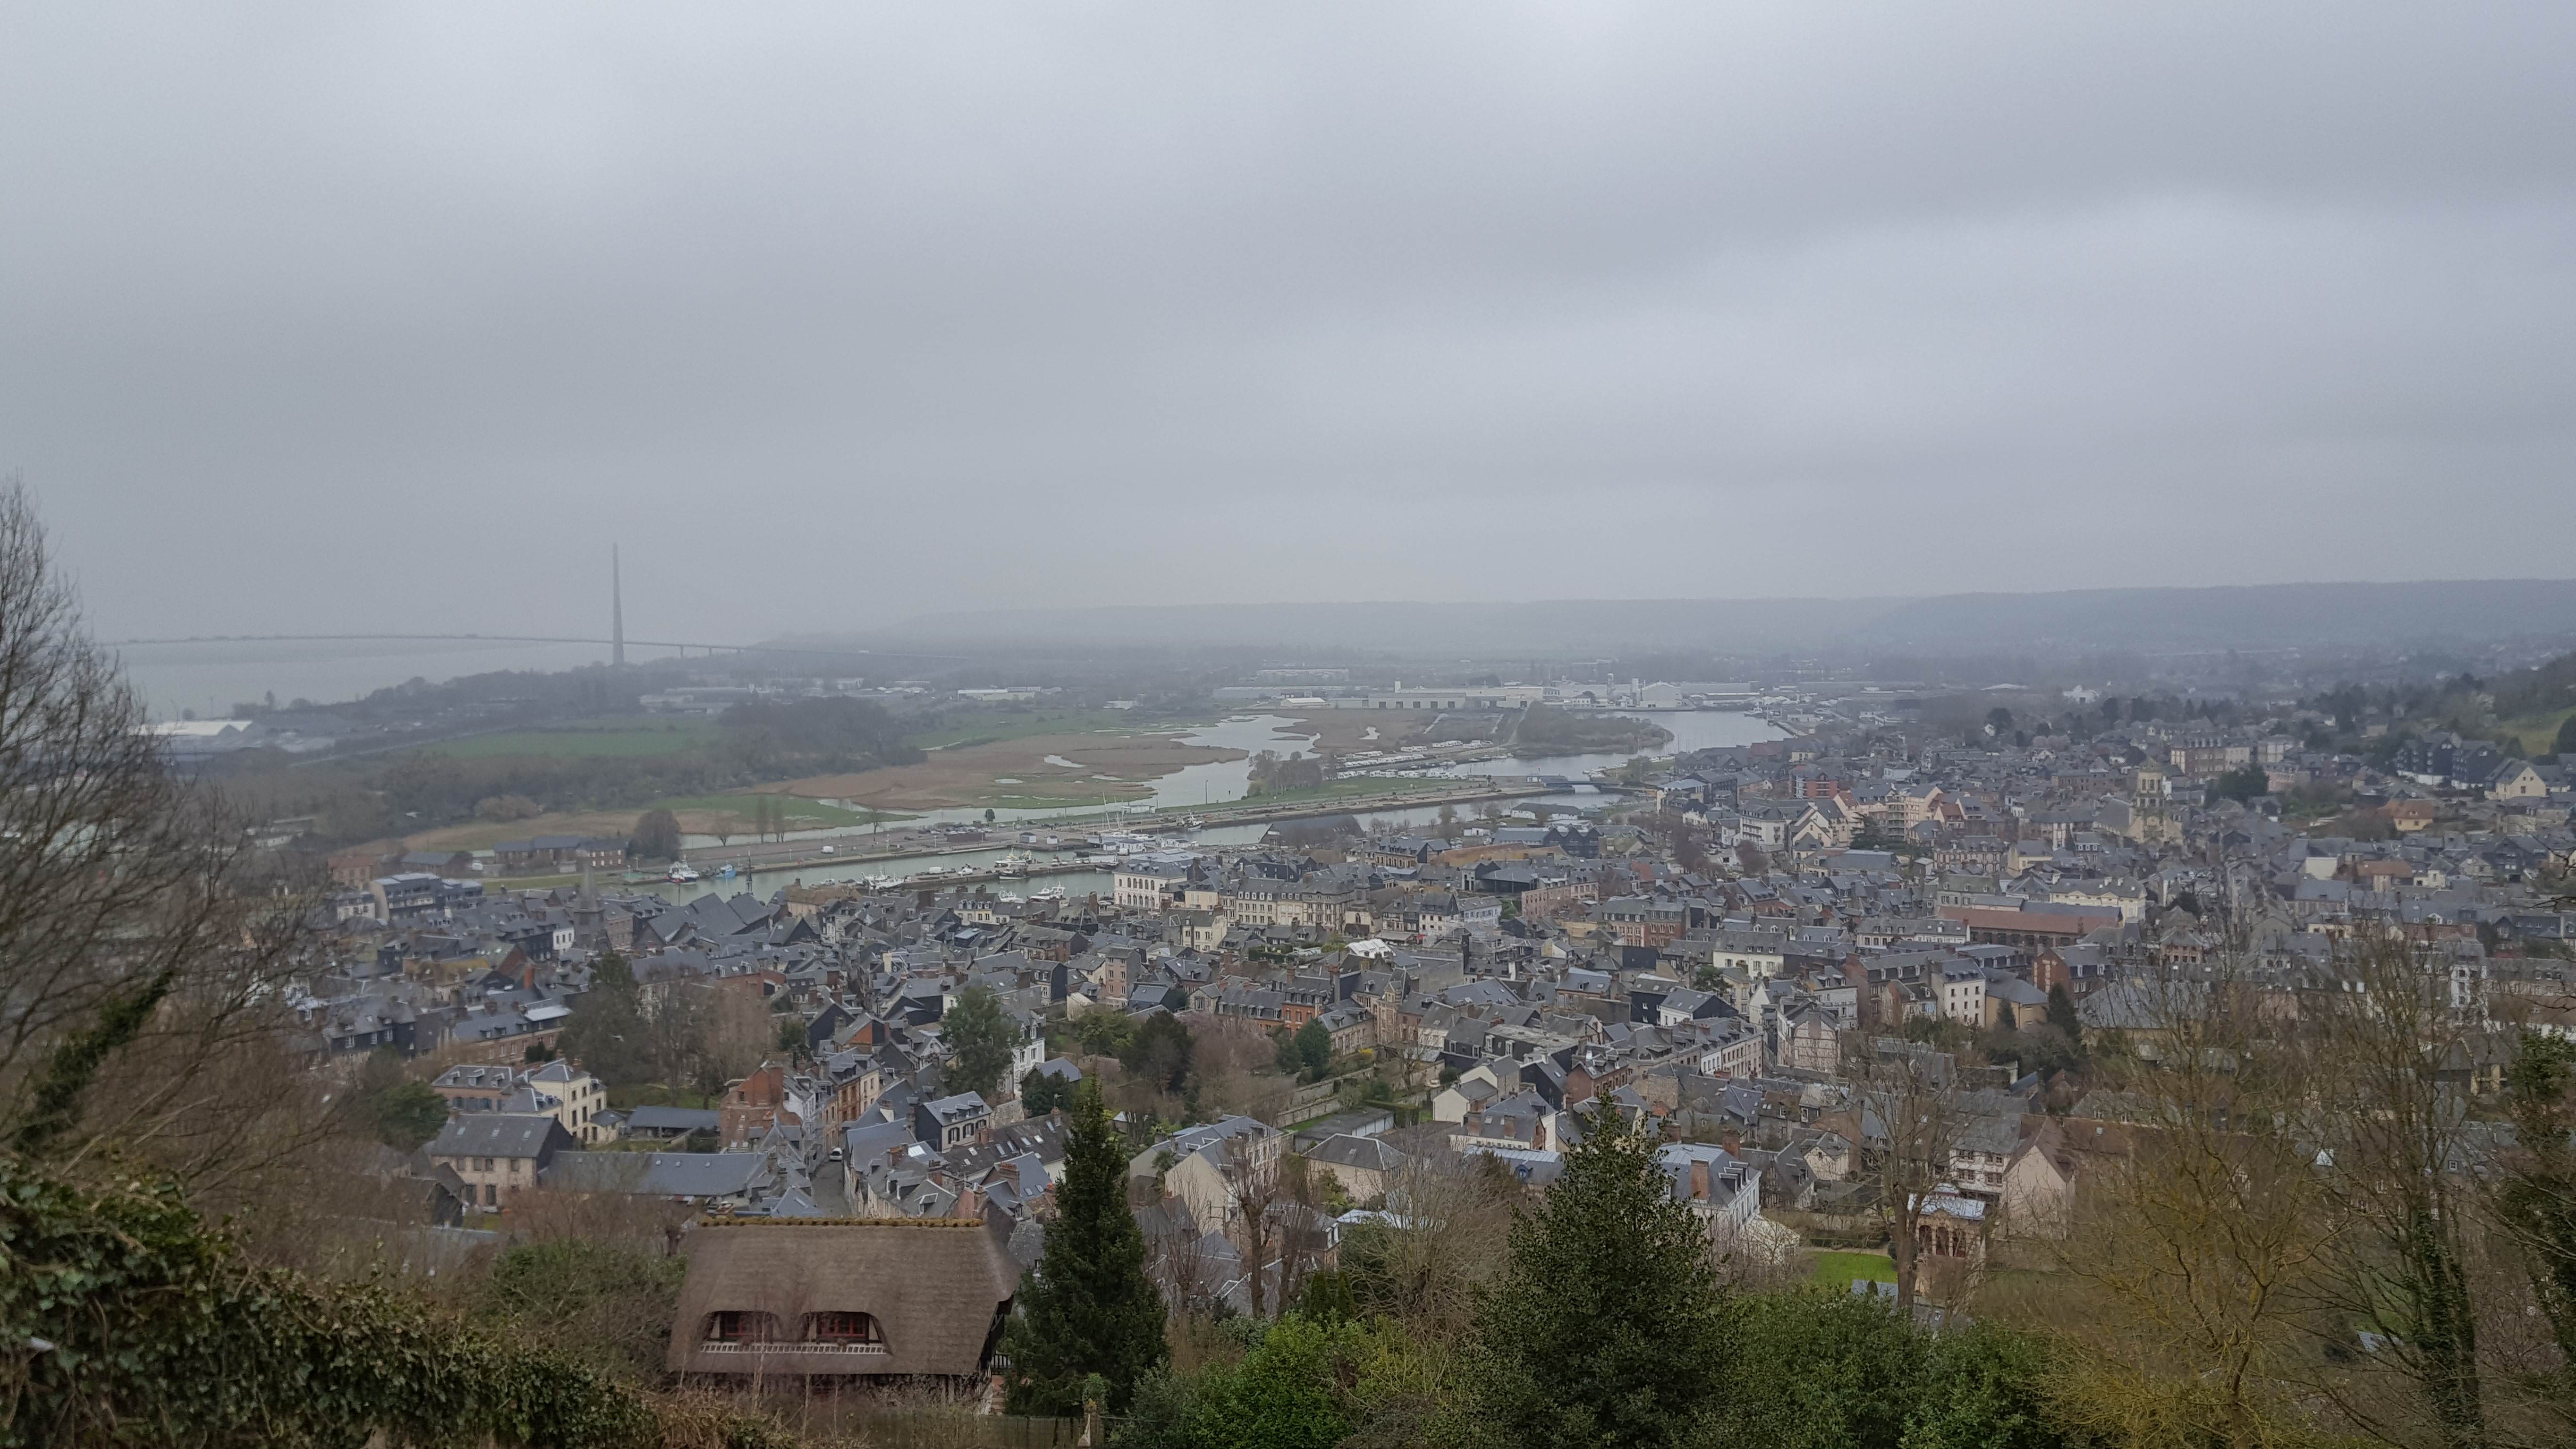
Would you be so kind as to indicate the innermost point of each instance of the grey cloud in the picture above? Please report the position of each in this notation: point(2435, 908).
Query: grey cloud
point(389, 317)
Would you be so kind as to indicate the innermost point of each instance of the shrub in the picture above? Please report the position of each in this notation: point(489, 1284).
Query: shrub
point(149, 1328)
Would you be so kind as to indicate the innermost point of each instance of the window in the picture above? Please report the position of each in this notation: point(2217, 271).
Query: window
point(741, 1327)
point(843, 1328)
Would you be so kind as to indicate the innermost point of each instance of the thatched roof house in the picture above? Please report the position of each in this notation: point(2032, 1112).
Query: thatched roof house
point(843, 1296)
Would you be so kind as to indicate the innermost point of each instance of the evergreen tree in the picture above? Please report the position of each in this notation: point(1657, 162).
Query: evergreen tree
point(2062, 1013)
point(1306, 1053)
point(2535, 1200)
point(1314, 1050)
point(607, 1036)
point(2565, 744)
point(982, 1036)
point(1089, 1308)
point(1603, 1328)
point(1160, 1051)
point(401, 1112)
point(2242, 784)
point(1284, 1395)
point(1041, 1093)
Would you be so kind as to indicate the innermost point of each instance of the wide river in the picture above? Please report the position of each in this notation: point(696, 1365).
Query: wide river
point(1218, 783)
point(211, 677)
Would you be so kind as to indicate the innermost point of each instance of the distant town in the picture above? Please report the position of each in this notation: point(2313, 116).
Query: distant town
point(1998, 889)
point(1209, 1046)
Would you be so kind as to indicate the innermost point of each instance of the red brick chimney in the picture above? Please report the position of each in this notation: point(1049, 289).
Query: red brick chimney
point(1732, 1141)
point(1699, 1179)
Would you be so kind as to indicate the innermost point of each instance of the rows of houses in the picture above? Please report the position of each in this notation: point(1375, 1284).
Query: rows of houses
point(1736, 964)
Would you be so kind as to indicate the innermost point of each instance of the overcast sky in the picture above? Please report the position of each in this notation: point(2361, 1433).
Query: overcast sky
point(388, 317)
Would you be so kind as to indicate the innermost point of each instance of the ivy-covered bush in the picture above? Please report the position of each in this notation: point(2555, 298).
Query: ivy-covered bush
point(124, 1319)
point(605, 1305)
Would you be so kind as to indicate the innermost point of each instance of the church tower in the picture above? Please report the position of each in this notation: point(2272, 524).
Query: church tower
point(2147, 800)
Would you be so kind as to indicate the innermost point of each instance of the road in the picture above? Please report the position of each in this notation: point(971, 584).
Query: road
point(829, 1192)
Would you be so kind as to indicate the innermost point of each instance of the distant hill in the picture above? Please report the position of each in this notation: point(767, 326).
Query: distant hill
point(2259, 616)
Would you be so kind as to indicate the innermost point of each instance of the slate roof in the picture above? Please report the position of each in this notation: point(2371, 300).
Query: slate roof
point(500, 1134)
point(661, 1174)
point(1368, 1153)
point(673, 1119)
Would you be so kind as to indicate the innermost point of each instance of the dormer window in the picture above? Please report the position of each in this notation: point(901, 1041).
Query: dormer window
point(741, 1327)
point(850, 1328)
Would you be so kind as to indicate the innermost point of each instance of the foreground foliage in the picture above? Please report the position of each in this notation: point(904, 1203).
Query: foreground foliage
point(1088, 1309)
point(1608, 1324)
point(1602, 1329)
point(131, 1322)
point(1801, 1370)
point(605, 1305)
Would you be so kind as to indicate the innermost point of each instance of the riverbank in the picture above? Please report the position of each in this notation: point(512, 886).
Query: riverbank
point(816, 855)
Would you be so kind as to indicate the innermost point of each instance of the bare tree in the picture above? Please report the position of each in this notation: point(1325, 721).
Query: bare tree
point(1176, 1258)
point(142, 954)
point(1272, 1198)
point(2386, 1055)
point(2533, 1204)
point(726, 1036)
point(1301, 1234)
point(1447, 1232)
point(1912, 1118)
point(1256, 1182)
point(2193, 1253)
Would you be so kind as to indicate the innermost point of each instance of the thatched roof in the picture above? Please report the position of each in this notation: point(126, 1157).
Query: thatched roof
point(937, 1285)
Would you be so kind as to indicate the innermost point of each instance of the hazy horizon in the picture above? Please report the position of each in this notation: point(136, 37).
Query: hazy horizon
point(393, 319)
point(2069, 628)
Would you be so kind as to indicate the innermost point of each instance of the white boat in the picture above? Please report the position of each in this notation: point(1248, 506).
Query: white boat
point(681, 874)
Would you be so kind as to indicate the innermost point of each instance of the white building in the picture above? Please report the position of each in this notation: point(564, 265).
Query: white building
point(1724, 1190)
point(1963, 992)
point(1146, 885)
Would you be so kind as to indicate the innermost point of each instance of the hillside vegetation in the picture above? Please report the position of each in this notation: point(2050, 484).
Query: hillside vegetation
point(1547, 729)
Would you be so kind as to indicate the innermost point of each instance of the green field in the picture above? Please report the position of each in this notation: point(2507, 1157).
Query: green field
point(2538, 732)
point(628, 737)
point(801, 814)
point(1837, 1270)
